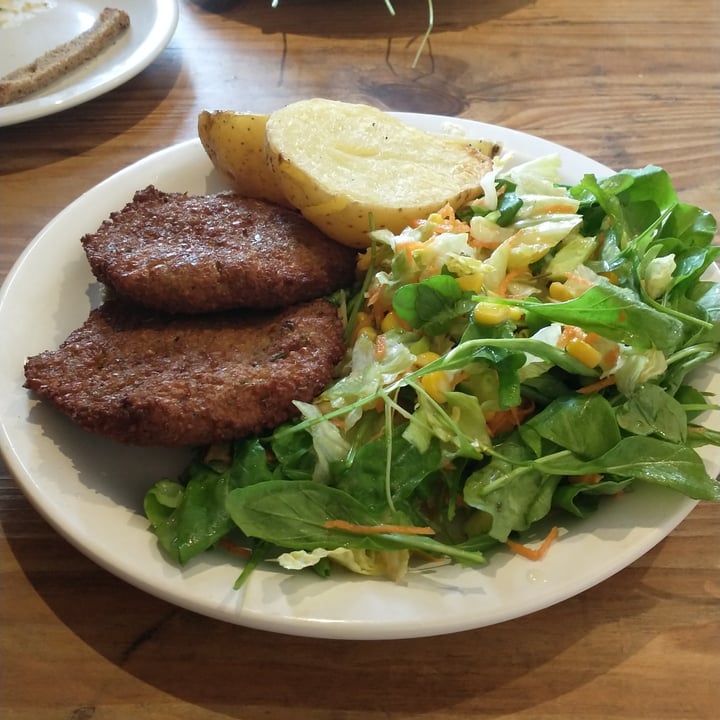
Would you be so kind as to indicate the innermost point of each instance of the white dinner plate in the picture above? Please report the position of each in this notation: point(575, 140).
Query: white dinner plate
point(152, 24)
point(91, 490)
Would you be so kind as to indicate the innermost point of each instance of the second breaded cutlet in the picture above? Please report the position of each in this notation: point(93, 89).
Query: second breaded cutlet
point(146, 378)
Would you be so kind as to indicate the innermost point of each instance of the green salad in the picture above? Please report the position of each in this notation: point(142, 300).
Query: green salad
point(509, 366)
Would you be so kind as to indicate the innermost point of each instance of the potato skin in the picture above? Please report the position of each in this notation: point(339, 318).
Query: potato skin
point(349, 166)
point(235, 142)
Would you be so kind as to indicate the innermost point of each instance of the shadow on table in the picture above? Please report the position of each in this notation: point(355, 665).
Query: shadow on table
point(358, 18)
point(81, 128)
point(377, 58)
point(244, 673)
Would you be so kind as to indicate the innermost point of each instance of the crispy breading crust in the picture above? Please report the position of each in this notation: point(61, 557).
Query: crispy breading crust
point(192, 254)
point(144, 378)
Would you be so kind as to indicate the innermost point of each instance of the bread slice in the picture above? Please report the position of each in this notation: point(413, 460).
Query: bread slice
point(64, 58)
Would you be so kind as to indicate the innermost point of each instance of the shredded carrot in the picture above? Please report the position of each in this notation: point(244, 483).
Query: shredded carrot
point(408, 248)
point(504, 421)
point(375, 295)
point(559, 208)
point(597, 386)
point(452, 224)
point(531, 554)
point(490, 244)
point(380, 347)
point(610, 357)
point(503, 286)
point(570, 332)
point(377, 529)
point(235, 549)
point(579, 279)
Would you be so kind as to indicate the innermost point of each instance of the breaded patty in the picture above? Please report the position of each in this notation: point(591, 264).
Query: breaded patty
point(191, 254)
point(144, 378)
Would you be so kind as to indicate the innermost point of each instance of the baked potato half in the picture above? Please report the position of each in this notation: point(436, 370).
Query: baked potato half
point(350, 167)
point(235, 142)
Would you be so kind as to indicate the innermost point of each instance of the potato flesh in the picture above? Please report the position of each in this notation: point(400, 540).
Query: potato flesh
point(345, 165)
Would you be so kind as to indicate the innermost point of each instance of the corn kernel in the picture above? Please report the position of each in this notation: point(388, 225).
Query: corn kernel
point(363, 319)
point(368, 331)
point(474, 283)
point(559, 291)
point(436, 218)
point(486, 313)
point(436, 384)
point(426, 358)
point(515, 313)
point(584, 352)
point(611, 276)
point(392, 321)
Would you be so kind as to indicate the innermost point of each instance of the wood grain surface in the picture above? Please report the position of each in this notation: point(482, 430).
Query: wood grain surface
point(627, 83)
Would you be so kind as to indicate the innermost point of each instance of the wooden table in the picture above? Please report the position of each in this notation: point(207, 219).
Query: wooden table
point(628, 83)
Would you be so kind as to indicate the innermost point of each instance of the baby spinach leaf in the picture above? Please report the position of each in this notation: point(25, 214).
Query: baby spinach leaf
point(198, 521)
point(292, 514)
point(506, 364)
point(364, 479)
point(584, 424)
point(582, 499)
point(190, 518)
point(161, 500)
point(509, 202)
point(294, 453)
point(249, 463)
point(653, 411)
point(694, 227)
point(518, 498)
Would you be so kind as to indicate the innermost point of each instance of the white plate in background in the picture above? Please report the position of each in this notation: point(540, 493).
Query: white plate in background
point(152, 25)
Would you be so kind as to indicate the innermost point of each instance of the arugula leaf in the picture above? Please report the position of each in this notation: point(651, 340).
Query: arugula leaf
point(615, 313)
point(643, 458)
